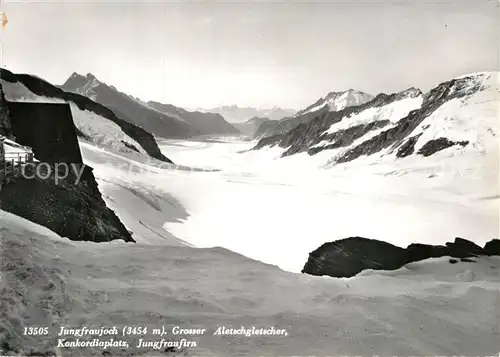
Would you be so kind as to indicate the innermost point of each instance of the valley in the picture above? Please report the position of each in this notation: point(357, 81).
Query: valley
point(222, 227)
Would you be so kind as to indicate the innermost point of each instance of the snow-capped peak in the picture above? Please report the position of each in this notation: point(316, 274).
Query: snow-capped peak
point(478, 74)
point(336, 101)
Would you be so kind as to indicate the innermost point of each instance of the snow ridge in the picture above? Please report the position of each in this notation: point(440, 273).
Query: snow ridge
point(335, 101)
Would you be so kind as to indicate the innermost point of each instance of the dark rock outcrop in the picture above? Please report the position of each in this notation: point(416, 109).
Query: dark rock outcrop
point(347, 257)
point(73, 210)
point(492, 247)
point(43, 88)
point(433, 146)
point(345, 137)
point(463, 248)
point(417, 251)
point(408, 147)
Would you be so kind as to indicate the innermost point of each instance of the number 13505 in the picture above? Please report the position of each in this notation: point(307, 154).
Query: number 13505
point(36, 331)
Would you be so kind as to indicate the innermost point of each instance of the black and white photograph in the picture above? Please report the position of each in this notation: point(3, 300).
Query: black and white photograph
point(249, 178)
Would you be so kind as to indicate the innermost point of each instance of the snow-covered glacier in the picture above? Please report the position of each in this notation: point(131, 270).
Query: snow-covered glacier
point(222, 236)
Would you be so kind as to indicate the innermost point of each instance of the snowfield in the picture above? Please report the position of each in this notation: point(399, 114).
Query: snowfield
point(101, 131)
point(426, 308)
point(258, 205)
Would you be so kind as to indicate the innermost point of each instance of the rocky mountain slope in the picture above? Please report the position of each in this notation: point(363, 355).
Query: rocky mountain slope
point(332, 102)
point(130, 109)
point(250, 127)
point(164, 120)
point(462, 112)
point(236, 114)
point(204, 123)
point(94, 122)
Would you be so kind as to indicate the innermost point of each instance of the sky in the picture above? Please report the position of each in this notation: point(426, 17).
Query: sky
point(258, 54)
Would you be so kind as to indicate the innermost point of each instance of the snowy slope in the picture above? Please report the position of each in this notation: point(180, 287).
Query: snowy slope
point(427, 308)
point(474, 118)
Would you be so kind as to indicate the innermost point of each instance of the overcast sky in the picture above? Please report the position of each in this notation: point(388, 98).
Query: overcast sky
point(200, 54)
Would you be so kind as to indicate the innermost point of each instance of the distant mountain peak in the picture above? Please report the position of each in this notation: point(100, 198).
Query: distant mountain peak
point(236, 114)
point(335, 101)
point(411, 92)
point(84, 85)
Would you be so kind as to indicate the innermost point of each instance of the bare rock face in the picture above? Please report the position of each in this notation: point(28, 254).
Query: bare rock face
point(439, 144)
point(347, 257)
point(75, 210)
point(492, 247)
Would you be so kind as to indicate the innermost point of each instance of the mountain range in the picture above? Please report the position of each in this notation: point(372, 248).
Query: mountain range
point(163, 120)
point(461, 113)
point(94, 122)
point(236, 114)
point(250, 126)
point(333, 101)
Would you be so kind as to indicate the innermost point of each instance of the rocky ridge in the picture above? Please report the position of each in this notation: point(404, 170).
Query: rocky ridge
point(332, 102)
point(390, 123)
point(348, 257)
